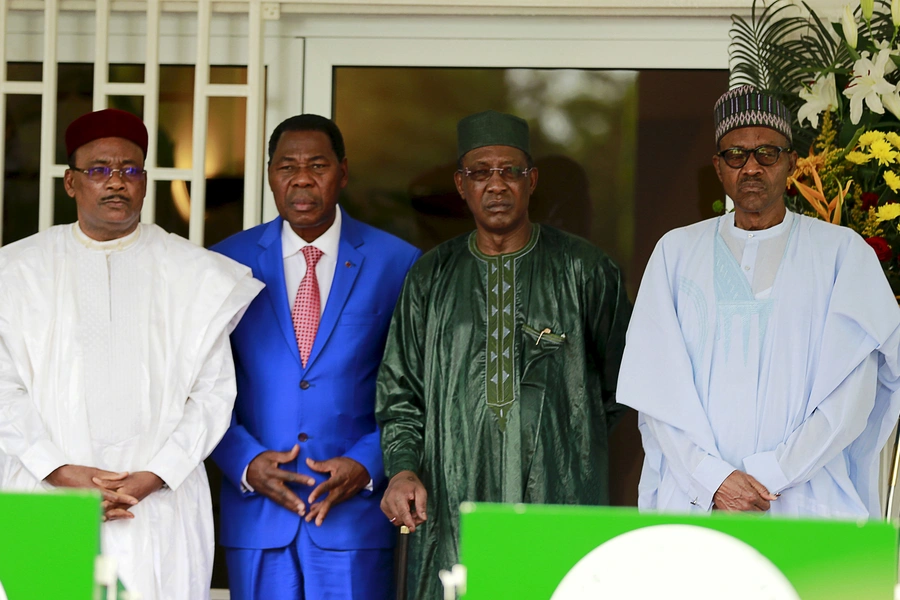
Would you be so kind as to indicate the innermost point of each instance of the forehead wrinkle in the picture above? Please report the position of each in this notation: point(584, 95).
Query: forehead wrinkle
point(298, 157)
point(106, 161)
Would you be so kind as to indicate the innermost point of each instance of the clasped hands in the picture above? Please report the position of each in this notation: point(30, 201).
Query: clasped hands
point(346, 478)
point(120, 491)
point(741, 492)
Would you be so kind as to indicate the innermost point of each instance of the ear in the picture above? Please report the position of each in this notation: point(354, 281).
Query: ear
point(533, 178)
point(717, 163)
point(345, 173)
point(69, 183)
point(457, 178)
point(269, 175)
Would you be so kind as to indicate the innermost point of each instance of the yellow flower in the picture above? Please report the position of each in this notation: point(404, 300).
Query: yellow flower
point(869, 137)
point(888, 212)
point(883, 152)
point(893, 138)
point(858, 158)
point(892, 180)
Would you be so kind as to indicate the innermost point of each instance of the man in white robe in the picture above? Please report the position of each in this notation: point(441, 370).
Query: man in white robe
point(763, 349)
point(116, 371)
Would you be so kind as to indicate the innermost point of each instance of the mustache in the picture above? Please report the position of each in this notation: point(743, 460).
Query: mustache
point(115, 197)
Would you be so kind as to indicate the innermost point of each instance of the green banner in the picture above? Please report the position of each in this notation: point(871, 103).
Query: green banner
point(526, 551)
point(49, 544)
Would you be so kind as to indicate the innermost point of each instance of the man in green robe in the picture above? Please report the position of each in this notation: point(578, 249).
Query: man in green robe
point(499, 375)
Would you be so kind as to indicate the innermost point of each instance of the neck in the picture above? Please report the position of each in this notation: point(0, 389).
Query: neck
point(756, 221)
point(106, 235)
point(503, 243)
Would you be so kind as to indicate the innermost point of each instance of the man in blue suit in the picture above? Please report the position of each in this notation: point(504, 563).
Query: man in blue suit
point(302, 457)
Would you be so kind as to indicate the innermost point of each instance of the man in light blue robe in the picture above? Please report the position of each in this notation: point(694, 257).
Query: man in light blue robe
point(762, 354)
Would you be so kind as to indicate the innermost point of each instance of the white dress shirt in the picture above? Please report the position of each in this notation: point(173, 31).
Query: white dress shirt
point(292, 246)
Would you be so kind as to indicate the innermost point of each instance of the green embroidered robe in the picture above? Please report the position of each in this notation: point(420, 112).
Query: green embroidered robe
point(498, 382)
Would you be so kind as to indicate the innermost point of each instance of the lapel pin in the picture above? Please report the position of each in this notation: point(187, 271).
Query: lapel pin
point(348, 264)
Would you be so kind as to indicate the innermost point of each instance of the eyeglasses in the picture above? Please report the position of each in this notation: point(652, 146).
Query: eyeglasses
point(509, 174)
point(765, 155)
point(101, 174)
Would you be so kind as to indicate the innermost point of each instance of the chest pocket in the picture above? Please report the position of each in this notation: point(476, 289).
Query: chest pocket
point(538, 344)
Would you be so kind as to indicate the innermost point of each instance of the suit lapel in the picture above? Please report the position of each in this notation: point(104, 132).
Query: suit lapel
point(349, 263)
point(271, 267)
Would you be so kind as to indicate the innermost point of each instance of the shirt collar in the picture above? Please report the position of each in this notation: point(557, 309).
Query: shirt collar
point(291, 243)
point(109, 246)
point(761, 234)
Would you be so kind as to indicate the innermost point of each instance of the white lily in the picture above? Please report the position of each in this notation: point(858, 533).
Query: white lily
point(821, 96)
point(868, 84)
point(867, 7)
point(892, 101)
point(895, 13)
point(848, 25)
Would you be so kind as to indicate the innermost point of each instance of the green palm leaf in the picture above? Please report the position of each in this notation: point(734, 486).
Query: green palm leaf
point(758, 52)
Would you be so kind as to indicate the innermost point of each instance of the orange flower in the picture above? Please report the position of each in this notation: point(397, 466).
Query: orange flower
point(829, 211)
point(807, 166)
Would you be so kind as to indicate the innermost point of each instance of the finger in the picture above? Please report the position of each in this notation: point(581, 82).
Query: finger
point(321, 489)
point(402, 513)
point(326, 466)
point(117, 498)
point(285, 457)
point(111, 475)
point(294, 453)
point(116, 514)
point(288, 499)
point(324, 506)
point(312, 512)
point(108, 484)
point(291, 476)
point(421, 500)
point(763, 504)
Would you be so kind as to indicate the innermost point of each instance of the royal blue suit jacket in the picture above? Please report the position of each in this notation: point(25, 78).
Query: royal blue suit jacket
point(328, 407)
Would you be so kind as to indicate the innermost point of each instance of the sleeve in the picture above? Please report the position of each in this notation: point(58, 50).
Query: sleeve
point(836, 422)
point(367, 452)
point(656, 378)
point(22, 432)
point(234, 454)
point(204, 420)
point(695, 471)
point(399, 400)
point(608, 313)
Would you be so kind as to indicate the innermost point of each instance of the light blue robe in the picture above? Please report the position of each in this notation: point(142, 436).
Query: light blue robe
point(798, 387)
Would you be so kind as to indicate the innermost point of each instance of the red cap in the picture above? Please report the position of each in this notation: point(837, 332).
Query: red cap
point(110, 122)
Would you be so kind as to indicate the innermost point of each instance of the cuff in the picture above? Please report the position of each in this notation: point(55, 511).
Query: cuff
point(246, 488)
point(764, 467)
point(42, 458)
point(401, 462)
point(171, 464)
point(706, 479)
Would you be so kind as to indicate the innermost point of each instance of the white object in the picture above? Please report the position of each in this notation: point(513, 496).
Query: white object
point(689, 562)
point(454, 582)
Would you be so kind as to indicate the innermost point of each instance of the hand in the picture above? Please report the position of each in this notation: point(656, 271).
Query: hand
point(741, 492)
point(267, 479)
point(76, 476)
point(137, 485)
point(405, 489)
point(347, 478)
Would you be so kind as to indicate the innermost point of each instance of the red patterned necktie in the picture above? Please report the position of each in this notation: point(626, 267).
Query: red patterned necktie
point(307, 305)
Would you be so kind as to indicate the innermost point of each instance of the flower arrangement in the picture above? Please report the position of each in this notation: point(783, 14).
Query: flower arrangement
point(842, 82)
